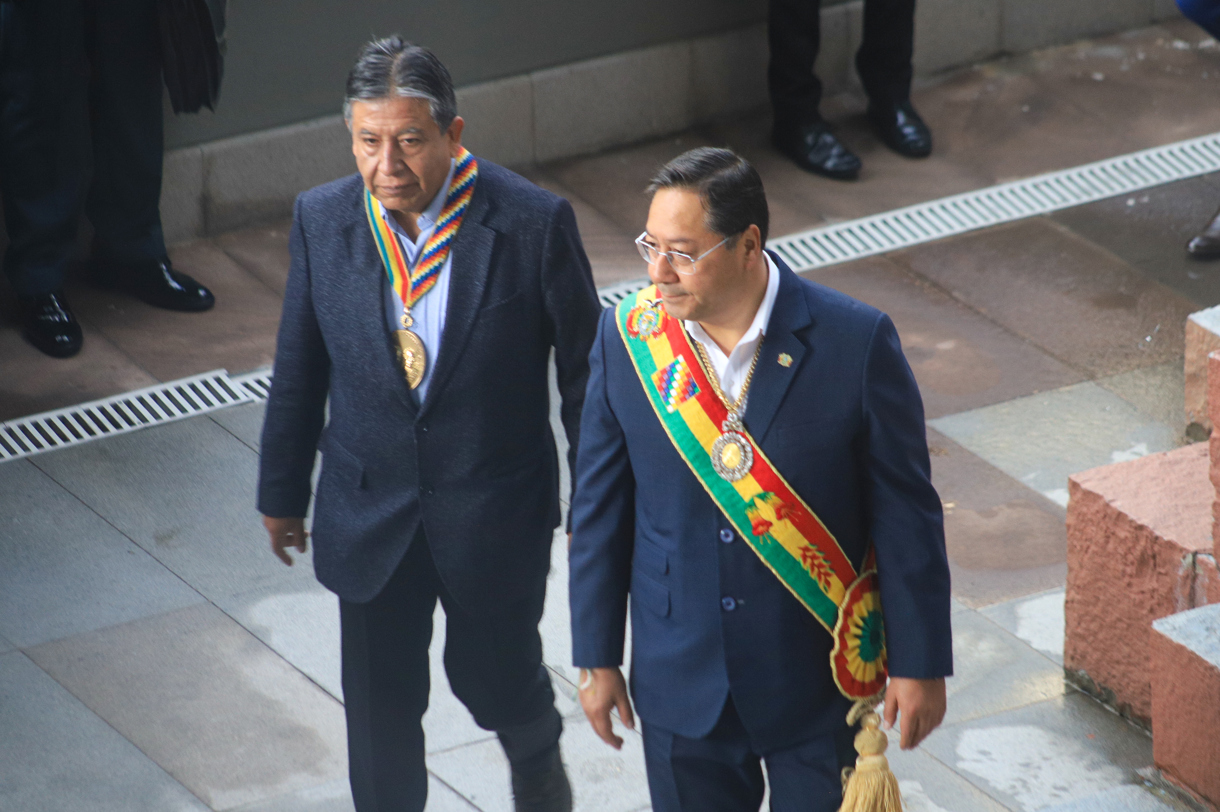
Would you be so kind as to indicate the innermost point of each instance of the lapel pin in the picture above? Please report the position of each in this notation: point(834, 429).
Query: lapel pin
point(785, 360)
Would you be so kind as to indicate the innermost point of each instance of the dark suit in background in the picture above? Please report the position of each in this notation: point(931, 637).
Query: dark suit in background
point(722, 653)
point(453, 498)
point(883, 61)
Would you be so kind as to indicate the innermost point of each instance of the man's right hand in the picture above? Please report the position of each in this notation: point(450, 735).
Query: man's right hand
point(606, 690)
point(286, 533)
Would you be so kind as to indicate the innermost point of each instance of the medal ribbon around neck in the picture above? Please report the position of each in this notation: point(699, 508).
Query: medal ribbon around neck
point(780, 527)
point(411, 285)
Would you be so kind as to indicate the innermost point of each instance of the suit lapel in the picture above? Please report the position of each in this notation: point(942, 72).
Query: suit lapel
point(771, 377)
point(366, 284)
point(471, 253)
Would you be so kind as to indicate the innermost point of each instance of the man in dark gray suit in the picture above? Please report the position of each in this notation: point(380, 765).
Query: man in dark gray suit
point(424, 298)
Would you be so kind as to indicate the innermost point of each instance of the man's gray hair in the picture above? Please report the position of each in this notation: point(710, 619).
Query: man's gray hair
point(394, 67)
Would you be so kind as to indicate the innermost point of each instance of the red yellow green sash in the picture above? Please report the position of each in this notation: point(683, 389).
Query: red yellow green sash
point(773, 519)
point(411, 285)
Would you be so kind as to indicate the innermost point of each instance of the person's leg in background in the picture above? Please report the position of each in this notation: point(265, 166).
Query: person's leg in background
point(123, 46)
point(42, 133)
point(1206, 15)
point(799, 132)
point(884, 65)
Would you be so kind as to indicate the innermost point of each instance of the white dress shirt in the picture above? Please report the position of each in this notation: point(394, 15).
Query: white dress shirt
point(732, 368)
point(428, 314)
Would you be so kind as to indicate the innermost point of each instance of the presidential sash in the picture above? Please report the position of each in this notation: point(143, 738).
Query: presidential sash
point(781, 529)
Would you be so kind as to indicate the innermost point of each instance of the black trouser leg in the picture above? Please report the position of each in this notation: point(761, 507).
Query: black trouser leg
point(794, 34)
point(884, 58)
point(42, 133)
point(125, 107)
point(385, 686)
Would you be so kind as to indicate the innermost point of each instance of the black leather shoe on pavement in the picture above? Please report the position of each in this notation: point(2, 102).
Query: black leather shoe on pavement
point(50, 325)
point(157, 283)
point(541, 785)
point(901, 129)
point(1206, 244)
point(814, 148)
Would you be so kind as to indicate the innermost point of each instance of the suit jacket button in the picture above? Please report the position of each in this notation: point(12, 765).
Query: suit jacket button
point(726, 535)
point(728, 603)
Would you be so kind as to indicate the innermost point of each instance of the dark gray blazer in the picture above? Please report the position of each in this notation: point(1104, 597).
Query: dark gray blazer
point(475, 463)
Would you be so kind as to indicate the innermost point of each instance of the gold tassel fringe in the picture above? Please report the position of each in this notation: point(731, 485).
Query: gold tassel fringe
point(871, 787)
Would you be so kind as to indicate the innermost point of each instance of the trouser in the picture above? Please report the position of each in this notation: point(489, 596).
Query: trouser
point(1204, 13)
point(75, 73)
point(722, 771)
point(493, 659)
point(883, 61)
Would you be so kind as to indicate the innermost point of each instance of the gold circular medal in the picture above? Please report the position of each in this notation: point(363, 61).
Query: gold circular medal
point(732, 456)
point(412, 356)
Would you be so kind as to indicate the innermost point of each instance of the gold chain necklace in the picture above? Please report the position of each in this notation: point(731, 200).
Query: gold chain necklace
point(732, 456)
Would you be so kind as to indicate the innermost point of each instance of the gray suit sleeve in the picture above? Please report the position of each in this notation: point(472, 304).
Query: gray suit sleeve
point(296, 406)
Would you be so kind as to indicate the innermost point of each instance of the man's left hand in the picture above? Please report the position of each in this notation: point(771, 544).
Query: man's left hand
point(920, 702)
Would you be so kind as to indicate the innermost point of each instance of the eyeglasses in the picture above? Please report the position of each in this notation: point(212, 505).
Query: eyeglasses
point(680, 262)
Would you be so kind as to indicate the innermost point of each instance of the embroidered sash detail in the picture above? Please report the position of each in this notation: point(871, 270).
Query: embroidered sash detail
point(781, 529)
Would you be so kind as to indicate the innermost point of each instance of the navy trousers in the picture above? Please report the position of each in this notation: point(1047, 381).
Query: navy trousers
point(883, 61)
point(79, 76)
point(493, 659)
point(722, 772)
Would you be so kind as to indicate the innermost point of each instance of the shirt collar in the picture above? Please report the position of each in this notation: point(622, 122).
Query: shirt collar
point(758, 327)
point(428, 217)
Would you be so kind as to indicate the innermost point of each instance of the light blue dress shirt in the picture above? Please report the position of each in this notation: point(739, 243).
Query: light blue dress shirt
point(429, 312)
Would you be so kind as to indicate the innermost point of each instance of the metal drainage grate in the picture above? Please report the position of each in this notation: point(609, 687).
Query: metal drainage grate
point(611, 295)
point(1004, 203)
point(257, 384)
point(119, 414)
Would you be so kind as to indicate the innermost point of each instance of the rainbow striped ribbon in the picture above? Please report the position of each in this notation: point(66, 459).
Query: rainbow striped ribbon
point(411, 285)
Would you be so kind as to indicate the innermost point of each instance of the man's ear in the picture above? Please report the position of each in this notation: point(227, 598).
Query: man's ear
point(454, 134)
point(753, 240)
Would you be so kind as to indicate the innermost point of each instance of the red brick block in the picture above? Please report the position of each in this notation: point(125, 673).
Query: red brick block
point(1185, 665)
point(1133, 530)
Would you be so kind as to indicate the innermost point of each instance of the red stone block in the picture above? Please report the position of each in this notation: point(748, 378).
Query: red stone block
point(1213, 408)
point(1133, 532)
point(1185, 666)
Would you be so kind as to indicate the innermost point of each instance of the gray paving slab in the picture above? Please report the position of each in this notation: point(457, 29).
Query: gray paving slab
point(1042, 439)
point(245, 422)
point(1197, 630)
point(1158, 391)
point(1130, 798)
point(206, 700)
point(336, 796)
point(603, 779)
point(929, 786)
point(1037, 619)
point(994, 671)
point(5, 646)
point(64, 570)
point(55, 754)
point(185, 492)
point(1052, 752)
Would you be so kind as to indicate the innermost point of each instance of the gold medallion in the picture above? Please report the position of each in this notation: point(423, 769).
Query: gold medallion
point(732, 456)
point(412, 356)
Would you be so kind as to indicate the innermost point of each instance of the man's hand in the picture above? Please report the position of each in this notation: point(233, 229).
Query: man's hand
point(286, 533)
point(603, 689)
point(921, 703)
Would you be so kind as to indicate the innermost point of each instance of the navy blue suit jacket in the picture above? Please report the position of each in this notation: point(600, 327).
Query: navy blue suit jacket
point(475, 463)
point(844, 425)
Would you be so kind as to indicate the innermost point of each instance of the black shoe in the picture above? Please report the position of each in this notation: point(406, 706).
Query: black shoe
point(814, 148)
point(1206, 244)
point(156, 283)
point(50, 325)
point(541, 785)
point(901, 129)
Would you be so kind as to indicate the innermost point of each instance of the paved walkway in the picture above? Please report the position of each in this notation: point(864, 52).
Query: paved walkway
point(155, 656)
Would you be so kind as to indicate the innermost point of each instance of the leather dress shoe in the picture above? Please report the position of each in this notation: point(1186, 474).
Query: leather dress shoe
point(901, 129)
point(813, 147)
point(156, 283)
point(50, 325)
point(1206, 244)
point(541, 784)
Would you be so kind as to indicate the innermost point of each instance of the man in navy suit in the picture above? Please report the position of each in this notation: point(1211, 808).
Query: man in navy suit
point(425, 296)
point(728, 666)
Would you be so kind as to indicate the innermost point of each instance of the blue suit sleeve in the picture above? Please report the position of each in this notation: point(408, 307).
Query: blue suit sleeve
point(603, 522)
point(907, 524)
point(296, 405)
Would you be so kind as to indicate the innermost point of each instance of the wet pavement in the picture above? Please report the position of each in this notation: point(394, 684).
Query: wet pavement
point(155, 656)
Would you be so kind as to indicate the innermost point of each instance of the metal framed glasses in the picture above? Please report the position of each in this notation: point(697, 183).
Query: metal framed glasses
point(680, 262)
